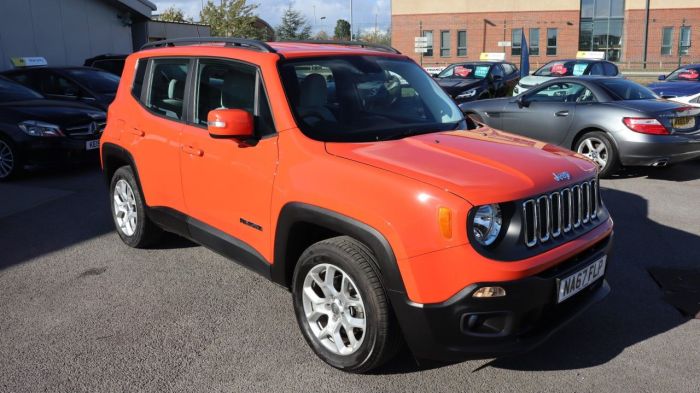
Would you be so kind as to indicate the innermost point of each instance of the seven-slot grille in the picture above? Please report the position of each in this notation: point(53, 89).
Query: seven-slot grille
point(549, 216)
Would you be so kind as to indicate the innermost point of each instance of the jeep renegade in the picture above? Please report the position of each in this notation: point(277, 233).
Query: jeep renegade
point(343, 172)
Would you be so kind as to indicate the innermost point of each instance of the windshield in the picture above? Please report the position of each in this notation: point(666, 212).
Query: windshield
point(466, 71)
point(563, 68)
point(685, 74)
point(100, 82)
point(11, 91)
point(366, 98)
point(621, 90)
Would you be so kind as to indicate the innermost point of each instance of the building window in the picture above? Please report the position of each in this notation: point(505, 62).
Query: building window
point(601, 27)
point(552, 42)
point(516, 40)
point(684, 40)
point(429, 35)
point(534, 43)
point(462, 43)
point(666, 40)
point(445, 43)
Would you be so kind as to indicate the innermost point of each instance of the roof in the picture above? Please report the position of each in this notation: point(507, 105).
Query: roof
point(301, 49)
point(143, 7)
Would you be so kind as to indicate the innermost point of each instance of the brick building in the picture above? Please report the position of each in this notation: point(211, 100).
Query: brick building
point(461, 29)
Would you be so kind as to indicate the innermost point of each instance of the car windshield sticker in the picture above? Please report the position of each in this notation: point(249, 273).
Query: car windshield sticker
point(689, 74)
point(481, 71)
point(559, 69)
point(462, 72)
point(579, 69)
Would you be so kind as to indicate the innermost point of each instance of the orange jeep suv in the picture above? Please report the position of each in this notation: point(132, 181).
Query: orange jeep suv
point(343, 172)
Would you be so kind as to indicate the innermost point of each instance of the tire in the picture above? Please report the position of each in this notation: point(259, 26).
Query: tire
point(11, 166)
point(604, 152)
point(126, 199)
point(363, 298)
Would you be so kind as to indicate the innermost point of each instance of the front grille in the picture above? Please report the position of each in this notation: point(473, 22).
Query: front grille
point(549, 216)
point(94, 128)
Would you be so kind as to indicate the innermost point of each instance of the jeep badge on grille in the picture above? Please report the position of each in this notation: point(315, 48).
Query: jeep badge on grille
point(561, 176)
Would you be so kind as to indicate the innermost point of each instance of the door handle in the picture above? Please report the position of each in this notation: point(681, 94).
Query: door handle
point(562, 113)
point(136, 131)
point(192, 151)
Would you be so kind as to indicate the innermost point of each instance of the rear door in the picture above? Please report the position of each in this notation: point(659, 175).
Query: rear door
point(227, 183)
point(548, 112)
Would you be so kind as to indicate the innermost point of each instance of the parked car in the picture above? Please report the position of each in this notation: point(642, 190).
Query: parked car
point(36, 131)
point(683, 82)
point(563, 68)
point(613, 121)
point(107, 62)
point(90, 86)
point(383, 215)
point(478, 80)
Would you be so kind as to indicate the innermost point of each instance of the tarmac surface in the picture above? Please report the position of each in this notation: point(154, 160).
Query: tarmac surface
point(80, 311)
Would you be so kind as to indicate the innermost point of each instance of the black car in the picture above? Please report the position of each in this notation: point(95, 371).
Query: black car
point(613, 121)
point(91, 86)
point(37, 131)
point(108, 62)
point(477, 80)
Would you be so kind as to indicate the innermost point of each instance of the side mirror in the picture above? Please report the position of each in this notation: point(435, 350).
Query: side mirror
point(662, 77)
point(434, 75)
point(522, 101)
point(497, 77)
point(230, 123)
point(71, 92)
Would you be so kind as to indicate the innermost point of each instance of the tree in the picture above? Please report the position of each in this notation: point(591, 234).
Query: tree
point(231, 18)
point(294, 26)
point(342, 30)
point(172, 14)
point(321, 35)
point(376, 37)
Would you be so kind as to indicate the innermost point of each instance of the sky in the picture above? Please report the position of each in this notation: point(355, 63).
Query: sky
point(271, 11)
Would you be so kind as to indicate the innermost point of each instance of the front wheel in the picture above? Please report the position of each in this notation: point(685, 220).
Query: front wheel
point(10, 163)
point(341, 306)
point(598, 147)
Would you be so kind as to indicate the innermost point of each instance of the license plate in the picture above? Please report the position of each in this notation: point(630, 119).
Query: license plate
point(576, 282)
point(92, 145)
point(683, 123)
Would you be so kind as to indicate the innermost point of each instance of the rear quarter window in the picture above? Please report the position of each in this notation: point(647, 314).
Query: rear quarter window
point(137, 85)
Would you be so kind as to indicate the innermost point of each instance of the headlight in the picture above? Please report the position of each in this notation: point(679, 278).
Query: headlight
point(39, 128)
point(467, 94)
point(487, 224)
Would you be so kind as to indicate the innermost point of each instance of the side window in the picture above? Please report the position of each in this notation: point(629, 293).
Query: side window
point(558, 92)
point(508, 68)
point(610, 69)
point(166, 94)
point(597, 69)
point(137, 85)
point(54, 84)
point(497, 71)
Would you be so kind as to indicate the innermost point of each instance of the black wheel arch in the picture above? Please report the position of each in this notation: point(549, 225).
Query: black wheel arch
point(114, 157)
point(299, 225)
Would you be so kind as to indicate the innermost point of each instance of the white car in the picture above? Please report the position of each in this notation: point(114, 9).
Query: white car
point(693, 100)
point(564, 68)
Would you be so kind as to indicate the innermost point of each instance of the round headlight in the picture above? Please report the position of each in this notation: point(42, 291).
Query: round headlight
point(487, 224)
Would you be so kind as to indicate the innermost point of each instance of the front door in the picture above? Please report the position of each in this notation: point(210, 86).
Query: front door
point(546, 113)
point(227, 183)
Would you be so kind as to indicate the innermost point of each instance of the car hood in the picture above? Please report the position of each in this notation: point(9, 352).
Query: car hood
point(532, 80)
point(675, 89)
point(56, 112)
point(482, 166)
point(458, 85)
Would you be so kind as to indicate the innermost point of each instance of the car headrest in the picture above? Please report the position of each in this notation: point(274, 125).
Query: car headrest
point(313, 91)
point(176, 90)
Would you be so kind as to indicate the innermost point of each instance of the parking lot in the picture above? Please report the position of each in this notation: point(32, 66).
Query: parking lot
point(83, 312)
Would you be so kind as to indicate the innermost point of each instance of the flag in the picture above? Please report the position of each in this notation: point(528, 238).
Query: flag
point(524, 56)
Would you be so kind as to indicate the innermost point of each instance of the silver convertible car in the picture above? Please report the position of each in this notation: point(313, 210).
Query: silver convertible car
point(613, 121)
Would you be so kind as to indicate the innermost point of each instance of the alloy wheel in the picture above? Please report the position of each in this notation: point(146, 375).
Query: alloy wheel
point(125, 207)
point(594, 149)
point(334, 309)
point(7, 160)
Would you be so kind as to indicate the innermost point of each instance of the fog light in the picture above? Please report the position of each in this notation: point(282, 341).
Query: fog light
point(490, 292)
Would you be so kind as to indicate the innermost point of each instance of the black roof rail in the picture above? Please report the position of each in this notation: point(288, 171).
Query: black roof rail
point(368, 45)
point(228, 41)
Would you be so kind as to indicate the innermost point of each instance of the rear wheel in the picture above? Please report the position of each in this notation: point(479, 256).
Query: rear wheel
point(341, 306)
point(129, 211)
point(10, 163)
point(598, 147)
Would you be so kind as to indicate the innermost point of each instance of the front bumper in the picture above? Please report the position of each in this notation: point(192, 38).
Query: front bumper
point(46, 151)
point(646, 150)
point(464, 327)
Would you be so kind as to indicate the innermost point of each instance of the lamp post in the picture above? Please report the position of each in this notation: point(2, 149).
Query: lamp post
point(352, 25)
